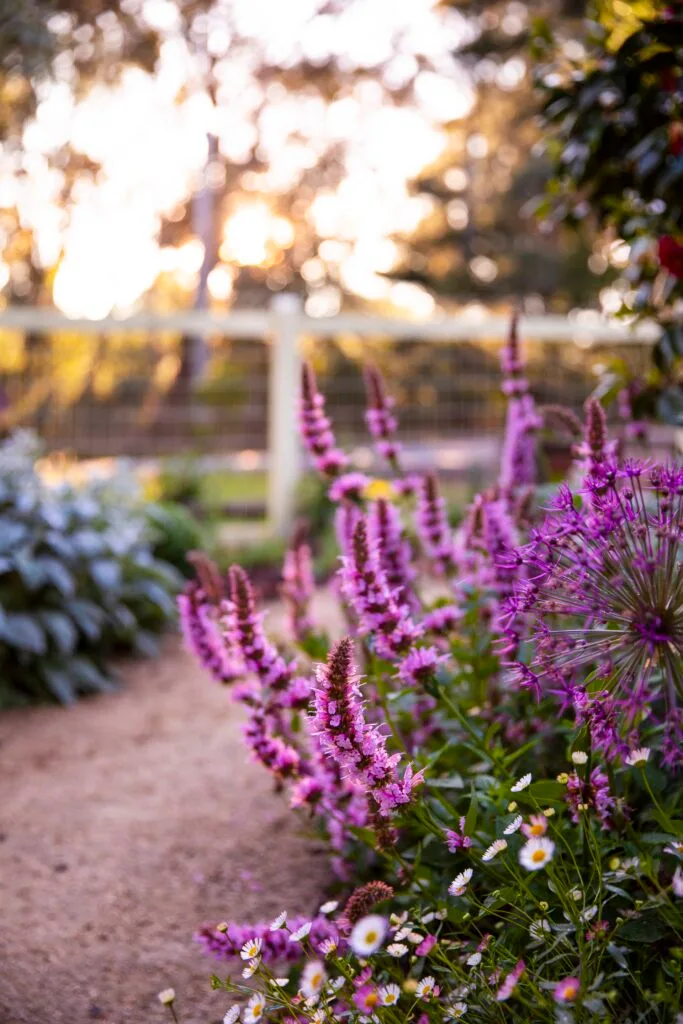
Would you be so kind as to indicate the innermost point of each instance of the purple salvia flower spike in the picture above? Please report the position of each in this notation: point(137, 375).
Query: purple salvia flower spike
point(380, 418)
point(433, 527)
point(348, 740)
point(316, 428)
point(518, 457)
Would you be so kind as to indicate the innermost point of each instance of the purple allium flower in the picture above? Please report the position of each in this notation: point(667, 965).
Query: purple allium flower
point(419, 667)
point(600, 713)
point(518, 457)
point(379, 417)
point(346, 738)
point(202, 635)
point(394, 550)
point(604, 587)
point(458, 840)
point(316, 428)
point(225, 941)
point(348, 485)
point(590, 795)
point(365, 586)
point(298, 584)
point(433, 527)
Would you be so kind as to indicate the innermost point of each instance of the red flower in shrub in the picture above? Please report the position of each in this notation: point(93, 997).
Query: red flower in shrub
point(671, 255)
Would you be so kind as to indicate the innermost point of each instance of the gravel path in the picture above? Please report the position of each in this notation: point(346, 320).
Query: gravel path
point(125, 822)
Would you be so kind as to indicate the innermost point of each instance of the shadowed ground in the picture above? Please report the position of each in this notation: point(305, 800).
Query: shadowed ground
point(124, 823)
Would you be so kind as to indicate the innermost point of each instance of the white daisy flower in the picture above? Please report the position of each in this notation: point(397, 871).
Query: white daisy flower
point(336, 983)
point(313, 978)
point(496, 847)
point(389, 995)
point(428, 918)
point(676, 848)
point(301, 933)
point(456, 1011)
point(329, 907)
point(474, 959)
point(638, 757)
point(280, 982)
point(232, 1015)
point(328, 947)
point(253, 1011)
point(279, 922)
point(402, 934)
point(521, 783)
point(252, 967)
point(318, 1017)
point(397, 949)
point(250, 949)
point(396, 920)
point(513, 826)
point(166, 996)
point(589, 914)
point(425, 987)
point(415, 938)
point(579, 757)
point(539, 929)
point(536, 853)
point(367, 935)
point(460, 882)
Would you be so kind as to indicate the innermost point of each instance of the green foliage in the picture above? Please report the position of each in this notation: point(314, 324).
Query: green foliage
point(78, 581)
point(614, 124)
point(175, 532)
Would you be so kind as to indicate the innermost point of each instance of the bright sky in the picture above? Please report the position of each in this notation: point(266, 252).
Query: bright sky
point(149, 136)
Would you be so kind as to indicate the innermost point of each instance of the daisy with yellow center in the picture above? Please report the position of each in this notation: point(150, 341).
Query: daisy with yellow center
point(496, 847)
point(253, 1011)
point(368, 935)
point(537, 826)
point(536, 853)
point(389, 995)
point(312, 979)
point(250, 949)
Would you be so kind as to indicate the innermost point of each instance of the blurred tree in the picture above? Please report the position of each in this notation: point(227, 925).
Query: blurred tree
point(613, 114)
point(482, 241)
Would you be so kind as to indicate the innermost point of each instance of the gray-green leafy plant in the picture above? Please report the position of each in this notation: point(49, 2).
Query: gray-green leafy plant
point(78, 580)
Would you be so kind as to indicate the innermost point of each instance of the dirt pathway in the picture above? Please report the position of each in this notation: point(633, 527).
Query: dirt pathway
point(124, 823)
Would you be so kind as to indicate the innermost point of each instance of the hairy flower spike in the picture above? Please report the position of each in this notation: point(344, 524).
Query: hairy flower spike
point(202, 635)
point(394, 550)
point(379, 417)
point(347, 739)
point(366, 588)
point(316, 428)
point(298, 583)
point(363, 899)
point(518, 457)
point(433, 527)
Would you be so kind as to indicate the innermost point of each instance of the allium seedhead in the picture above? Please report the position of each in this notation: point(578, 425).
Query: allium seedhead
point(363, 899)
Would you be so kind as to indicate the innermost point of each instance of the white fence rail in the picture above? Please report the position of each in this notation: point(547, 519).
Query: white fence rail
point(285, 324)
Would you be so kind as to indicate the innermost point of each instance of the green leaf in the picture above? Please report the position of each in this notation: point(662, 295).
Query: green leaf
point(86, 672)
point(59, 684)
point(55, 572)
point(22, 631)
point(546, 790)
point(106, 573)
point(61, 629)
point(88, 617)
point(648, 928)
